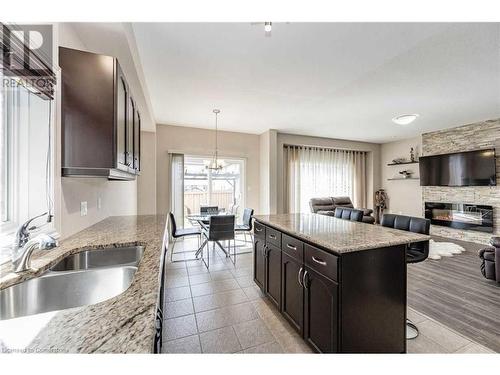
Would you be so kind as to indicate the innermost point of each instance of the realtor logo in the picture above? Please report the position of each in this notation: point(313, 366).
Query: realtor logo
point(27, 56)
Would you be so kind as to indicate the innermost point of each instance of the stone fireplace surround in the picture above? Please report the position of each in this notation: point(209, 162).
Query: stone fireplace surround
point(480, 135)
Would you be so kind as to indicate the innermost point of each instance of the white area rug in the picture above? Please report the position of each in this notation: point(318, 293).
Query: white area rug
point(443, 249)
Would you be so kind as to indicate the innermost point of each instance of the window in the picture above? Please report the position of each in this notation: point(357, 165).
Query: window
point(25, 160)
point(5, 161)
point(317, 172)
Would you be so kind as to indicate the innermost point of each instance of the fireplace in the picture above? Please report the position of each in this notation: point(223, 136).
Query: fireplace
point(460, 216)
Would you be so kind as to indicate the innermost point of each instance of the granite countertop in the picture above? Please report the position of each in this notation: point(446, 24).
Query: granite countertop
point(122, 324)
point(337, 235)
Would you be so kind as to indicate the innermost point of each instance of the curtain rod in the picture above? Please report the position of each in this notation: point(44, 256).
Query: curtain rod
point(322, 148)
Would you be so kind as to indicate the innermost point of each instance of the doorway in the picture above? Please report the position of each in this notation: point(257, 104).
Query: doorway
point(205, 187)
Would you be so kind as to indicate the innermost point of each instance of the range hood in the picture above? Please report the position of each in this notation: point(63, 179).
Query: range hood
point(109, 173)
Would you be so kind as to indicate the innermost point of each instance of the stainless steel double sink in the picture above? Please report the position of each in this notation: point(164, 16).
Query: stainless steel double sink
point(85, 278)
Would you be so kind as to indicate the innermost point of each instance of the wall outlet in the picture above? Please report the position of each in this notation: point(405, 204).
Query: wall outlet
point(99, 203)
point(83, 208)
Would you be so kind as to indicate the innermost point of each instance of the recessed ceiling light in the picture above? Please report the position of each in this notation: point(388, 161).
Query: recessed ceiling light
point(268, 26)
point(404, 119)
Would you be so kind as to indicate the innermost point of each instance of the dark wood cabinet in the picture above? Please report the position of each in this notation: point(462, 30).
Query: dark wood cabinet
point(130, 134)
point(272, 286)
point(267, 262)
point(137, 142)
point(100, 123)
point(259, 267)
point(353, 302)
point(122, 95)
point(292, 295)
point(320, 311)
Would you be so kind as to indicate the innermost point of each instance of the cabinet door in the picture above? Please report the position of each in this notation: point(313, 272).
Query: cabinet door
point(87, 109)
point(130, 132)
point(292, 297)
point(273, 274)
point(121, 121)
point(259, 264)
point(320, 311)
point(137, 142)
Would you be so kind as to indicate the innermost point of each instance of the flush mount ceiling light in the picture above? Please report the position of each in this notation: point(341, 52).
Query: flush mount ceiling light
point(268, 27)
point(404, 119)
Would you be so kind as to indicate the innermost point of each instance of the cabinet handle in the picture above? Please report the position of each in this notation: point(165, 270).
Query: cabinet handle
point(291, 246)
point(258, 230)
point(319, 261)
point(305, 280)
point(299, 277)
point(272, 236)
point(265, 251)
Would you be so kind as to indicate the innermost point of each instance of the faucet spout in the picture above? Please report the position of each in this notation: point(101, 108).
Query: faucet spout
point(23, 260)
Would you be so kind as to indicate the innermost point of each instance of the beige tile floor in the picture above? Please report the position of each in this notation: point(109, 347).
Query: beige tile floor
point(221, 310)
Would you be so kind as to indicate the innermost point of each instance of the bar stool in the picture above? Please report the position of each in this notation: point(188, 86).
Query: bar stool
point(347, 213)
point(415, 252)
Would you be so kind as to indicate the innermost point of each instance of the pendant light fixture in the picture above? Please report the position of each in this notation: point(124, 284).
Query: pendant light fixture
point(215, 164)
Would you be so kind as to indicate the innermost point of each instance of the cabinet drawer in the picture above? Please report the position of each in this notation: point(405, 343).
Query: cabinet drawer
point(259, 230)
point(273, 237)
point(321, 261)
point(293, 247)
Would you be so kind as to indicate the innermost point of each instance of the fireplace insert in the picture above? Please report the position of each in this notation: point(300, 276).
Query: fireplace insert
point(460, 216)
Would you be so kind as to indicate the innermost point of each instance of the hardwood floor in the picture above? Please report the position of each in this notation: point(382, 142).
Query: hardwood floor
point(454, 292)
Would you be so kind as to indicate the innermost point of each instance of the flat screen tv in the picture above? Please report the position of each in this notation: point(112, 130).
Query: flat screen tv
point(471, 168)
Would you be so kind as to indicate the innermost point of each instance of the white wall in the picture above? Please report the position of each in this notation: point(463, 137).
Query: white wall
point(268, 183)
point(146, 182)
point(117, 197)
point(405, 196)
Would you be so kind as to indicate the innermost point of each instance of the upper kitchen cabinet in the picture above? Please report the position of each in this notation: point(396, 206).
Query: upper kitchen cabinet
point(101, 124)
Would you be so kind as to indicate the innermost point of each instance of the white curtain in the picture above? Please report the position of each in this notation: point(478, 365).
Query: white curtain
point(317, 172)
point(177, 188)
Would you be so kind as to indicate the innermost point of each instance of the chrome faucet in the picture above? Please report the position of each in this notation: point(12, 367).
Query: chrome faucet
point(23, 233)
point(24, 246)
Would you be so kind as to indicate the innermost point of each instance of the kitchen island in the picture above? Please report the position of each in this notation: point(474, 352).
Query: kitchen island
point(340, 284)
point(125, 323)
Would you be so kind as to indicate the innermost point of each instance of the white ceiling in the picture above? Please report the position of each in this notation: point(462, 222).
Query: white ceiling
point(339, 80)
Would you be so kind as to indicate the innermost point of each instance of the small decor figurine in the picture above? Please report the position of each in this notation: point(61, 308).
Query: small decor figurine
point(381, 200)
point(412, 155)
point(406, 173)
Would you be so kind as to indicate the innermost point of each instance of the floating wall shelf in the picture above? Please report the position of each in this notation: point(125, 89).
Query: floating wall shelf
point(409, 178)
point(406, 162)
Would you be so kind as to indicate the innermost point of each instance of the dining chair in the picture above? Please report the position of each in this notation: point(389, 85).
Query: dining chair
point(209, 210)
point(177, 233)
point(246, 226)
point(233, 209)
point(220, 228)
